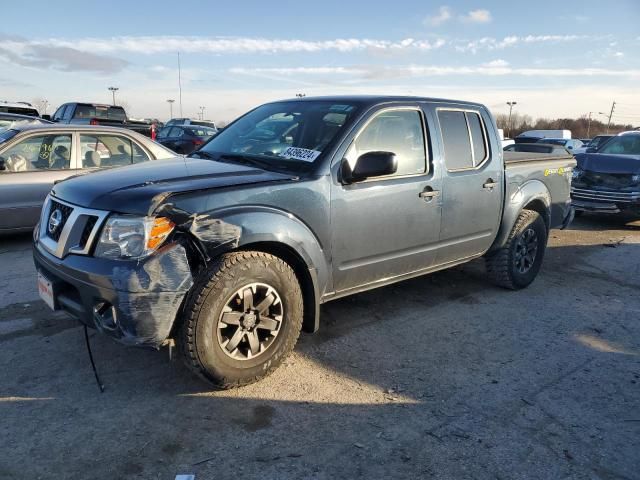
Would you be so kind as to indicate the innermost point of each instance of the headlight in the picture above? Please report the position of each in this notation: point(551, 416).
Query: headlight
point(125, 236)
point(576, 173)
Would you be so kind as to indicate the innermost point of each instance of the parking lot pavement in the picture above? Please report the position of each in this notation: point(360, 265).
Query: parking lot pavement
point(443, 376)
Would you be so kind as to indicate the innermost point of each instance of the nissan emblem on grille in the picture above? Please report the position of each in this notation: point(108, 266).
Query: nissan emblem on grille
point(54, 221)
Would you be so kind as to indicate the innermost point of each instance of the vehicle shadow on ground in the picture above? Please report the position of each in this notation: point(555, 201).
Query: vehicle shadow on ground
point(428, 377)
point(595, 221)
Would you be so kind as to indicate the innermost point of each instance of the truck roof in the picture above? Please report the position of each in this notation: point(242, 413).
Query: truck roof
point(377, 99)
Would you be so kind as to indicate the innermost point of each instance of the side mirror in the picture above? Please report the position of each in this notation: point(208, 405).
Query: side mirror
point(591, 150)
point(370, 164)
point(46, 116)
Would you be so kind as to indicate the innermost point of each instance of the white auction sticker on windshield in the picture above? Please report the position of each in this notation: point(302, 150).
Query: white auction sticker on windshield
point(300, 154)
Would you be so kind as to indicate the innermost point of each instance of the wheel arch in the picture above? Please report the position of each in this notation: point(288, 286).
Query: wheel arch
point(532, 195)
point(272, 231)
point(306, 275)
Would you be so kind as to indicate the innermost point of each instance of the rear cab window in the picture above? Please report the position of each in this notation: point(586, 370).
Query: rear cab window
point(104, 112)
point(463, 137)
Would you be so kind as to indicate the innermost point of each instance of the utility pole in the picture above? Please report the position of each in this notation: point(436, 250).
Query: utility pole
point(201, 113)
point(589, 124)
point(511, 104)
point(180, 84)
point(45, 105)
point(170, 101)
point(113, 93)
point(613, 107)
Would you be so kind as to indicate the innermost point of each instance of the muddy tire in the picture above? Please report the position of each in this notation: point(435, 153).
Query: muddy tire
point(241, 319)
point(517, 264)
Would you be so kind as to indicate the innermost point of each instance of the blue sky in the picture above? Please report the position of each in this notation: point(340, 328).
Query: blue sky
point(553, 58)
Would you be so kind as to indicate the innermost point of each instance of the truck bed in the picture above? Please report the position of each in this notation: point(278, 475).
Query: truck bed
point(549, 170)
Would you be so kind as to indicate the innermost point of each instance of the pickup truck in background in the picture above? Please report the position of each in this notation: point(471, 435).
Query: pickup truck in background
point(99, 114)
point(231, 251)
point(607, 179)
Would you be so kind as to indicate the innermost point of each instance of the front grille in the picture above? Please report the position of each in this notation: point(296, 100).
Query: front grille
point(76, 230)
point(66, 211)
point(606, 180)
point(86, 232)
point(604, 195)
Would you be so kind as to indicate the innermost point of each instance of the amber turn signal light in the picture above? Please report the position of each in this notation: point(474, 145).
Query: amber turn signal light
point(160, 230)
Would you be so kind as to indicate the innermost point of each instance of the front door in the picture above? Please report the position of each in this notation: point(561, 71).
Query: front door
point(31, 166)
point(387, 226)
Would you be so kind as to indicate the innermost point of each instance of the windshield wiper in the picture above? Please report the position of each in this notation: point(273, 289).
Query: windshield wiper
point(201, 154)
point(243, 159)
point(247, 159)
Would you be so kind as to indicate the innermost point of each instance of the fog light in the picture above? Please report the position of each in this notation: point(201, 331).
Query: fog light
point(104, 315)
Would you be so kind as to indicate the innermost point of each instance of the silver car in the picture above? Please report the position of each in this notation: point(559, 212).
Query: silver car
point(33, 157)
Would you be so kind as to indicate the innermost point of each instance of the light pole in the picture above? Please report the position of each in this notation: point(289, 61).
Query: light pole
point(45, 105)
point(511, 104)
point(113, 91)
point(300, 95)
point(201, 112)
point(589, 124)
point(170, 101)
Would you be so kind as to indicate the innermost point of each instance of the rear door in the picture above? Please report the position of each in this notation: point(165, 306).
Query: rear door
point(32, 164)
point(389, 226)
point(472, 182)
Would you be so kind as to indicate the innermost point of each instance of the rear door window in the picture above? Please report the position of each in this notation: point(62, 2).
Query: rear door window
point(99, 151)
point(464, 139)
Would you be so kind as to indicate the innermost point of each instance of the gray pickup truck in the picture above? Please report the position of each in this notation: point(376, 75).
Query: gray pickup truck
point(229, 252)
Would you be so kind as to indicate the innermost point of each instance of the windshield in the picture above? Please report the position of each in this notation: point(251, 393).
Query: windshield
point(296, 132)
point(201, 131)
point(622, 145)
point(552, 141)
point(6, 135)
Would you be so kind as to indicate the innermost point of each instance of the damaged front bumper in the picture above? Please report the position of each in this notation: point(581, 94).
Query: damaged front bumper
point(134, 301)
point(605, 200)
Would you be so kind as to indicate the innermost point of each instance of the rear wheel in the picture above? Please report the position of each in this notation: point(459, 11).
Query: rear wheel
point(242, 319)
point(517, 264)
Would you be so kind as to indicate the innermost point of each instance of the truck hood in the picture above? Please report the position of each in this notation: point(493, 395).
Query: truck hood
point(609, 163)
point(139, 189)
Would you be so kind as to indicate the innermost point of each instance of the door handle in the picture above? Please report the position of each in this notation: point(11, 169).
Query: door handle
point(428, 194)
point(490, 184)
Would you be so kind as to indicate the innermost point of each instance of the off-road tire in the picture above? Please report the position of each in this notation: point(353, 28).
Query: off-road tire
point(196, 337)
point(501, 265)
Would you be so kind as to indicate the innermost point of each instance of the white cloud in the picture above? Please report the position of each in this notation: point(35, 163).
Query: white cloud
point(234, 45)
point(495, 68)
point(443, 15)
point(618, 54)
point(490, 43)
point(496, 63)
point(476, 16)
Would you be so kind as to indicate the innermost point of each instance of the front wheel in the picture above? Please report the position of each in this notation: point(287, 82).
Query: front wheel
point(241, 319)
point(517, 264)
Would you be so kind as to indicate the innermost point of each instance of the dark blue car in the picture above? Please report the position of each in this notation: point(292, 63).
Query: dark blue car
point(608, 180)
point(185, 139)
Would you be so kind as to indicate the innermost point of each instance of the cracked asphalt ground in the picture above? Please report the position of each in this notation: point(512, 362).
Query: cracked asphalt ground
point(443, 376)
